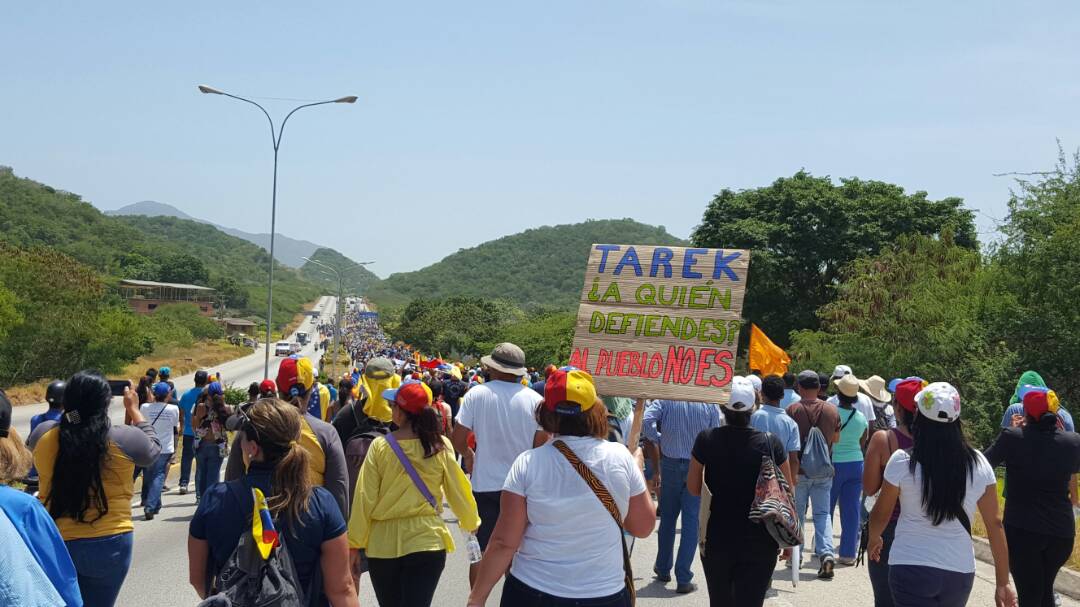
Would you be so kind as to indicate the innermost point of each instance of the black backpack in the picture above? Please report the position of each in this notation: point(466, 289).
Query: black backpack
point(246, 580)
point(359, 442)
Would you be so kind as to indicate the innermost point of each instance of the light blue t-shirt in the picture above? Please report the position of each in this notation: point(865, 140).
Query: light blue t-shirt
point(41, 536)
point(1018, 409)
point(774, 419)
point(849, 447)
point(187, 405)
point(790, 398)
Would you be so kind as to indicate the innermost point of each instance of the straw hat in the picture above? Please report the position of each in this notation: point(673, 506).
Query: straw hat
point(876, 388)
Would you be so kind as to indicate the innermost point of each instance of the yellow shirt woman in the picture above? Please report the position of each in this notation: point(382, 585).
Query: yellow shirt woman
point(391, 518)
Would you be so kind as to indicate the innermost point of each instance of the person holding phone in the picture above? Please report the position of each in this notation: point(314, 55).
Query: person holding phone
point(85, 467)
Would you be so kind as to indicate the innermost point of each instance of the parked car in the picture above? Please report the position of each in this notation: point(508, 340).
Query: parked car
point(294, 348)
point(282, 348)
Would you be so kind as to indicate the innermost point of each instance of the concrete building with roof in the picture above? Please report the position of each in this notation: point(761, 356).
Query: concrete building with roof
point(144, 296)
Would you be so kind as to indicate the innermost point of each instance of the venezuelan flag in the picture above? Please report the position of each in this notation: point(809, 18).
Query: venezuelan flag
point(262, 525)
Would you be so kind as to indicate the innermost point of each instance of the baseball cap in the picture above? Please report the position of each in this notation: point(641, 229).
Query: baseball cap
point(1039, 401)
point(848, 385)
point(905, 390)
point(939, 401)
point(840, 371)
point(808, 379)
point(379, 368)
point(267, 385)
point(162, 389)
point(413, 396)
point(755, 381)
point(164, 372)
point(5, 414)
point(569, 392)
point(742, 395)
point(215, 389)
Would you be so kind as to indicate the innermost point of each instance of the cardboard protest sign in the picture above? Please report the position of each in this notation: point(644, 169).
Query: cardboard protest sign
point(661, 322)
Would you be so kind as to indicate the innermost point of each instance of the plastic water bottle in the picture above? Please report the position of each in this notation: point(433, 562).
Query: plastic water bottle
point(472, 548)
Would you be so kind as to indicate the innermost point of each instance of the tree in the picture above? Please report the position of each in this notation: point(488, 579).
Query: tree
point(455, 325)
point(924, 307)
point(230, 292)
point(9, 314)
point(185, 269)
point(1038, 263)
point(803, 231)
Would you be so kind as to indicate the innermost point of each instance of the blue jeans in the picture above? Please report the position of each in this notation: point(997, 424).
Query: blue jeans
point(153, 481)
point(918, 586)
point(187, 455)
point(816, 492)
point(102, 564)
point(674, 498)
point(847, 490)
point(207, 466)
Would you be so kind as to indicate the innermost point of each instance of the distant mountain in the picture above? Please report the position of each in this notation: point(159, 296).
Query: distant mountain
point(541, 267)
point(288, 251)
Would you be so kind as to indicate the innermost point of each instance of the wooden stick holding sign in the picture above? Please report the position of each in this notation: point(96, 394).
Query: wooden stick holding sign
point(661, 322)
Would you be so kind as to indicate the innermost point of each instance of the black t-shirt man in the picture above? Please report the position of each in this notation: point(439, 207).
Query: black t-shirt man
point(732, 459)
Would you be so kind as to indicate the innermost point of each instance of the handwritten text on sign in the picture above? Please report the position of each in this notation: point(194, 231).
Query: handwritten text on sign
point(661, 322)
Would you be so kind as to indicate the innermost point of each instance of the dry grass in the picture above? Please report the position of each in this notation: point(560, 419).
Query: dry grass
point(978, 528)
point(182, 361)
point(296, 321)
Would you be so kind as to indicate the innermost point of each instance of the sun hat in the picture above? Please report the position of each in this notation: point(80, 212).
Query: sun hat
point(874, 387)
point(162, 389)
point(848, 385)
point(1039, 401)
point(940, 402)
point(378, 368)
point(569, 392)
point(215, 389)
point(755, 381)
point(742, 395)
point(840, 371)
point(906, 389)
point(506, 358)
point(413, 396)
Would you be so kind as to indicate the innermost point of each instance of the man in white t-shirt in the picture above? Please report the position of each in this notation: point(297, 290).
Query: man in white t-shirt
point(165, 418)
point(502, 414)
point(863, 405)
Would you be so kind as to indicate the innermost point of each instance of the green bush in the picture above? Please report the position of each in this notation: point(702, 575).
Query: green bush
point(188, 316)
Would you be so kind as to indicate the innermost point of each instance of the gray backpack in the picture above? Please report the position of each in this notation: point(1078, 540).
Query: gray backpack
point(816, 460)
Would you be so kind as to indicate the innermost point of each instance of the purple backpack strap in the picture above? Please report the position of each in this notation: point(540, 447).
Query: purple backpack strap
point(413, 474)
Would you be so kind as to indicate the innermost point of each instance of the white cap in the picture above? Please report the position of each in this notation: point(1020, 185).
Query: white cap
point(755, 381)
point(840, 371)
point(939, 401)
point(742, 395)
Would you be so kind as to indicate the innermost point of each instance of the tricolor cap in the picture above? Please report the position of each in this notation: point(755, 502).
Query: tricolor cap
point(413, 396)
point(742, 395)
point(569, 392)
point(940, 402)
point(1039, 401)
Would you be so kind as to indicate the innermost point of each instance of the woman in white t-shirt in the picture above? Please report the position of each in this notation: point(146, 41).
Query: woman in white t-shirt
point(564, 542)
point(938, 483)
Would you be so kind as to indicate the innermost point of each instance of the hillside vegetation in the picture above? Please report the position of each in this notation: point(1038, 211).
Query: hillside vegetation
point(355, 278)
point(539, 267)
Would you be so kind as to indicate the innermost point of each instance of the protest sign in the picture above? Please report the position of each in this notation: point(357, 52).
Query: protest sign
point(661, 322)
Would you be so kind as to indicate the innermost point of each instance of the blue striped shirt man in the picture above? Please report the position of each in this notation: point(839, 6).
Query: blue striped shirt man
point(675, 425)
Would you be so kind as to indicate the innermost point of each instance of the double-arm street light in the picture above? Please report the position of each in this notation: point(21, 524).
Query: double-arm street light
point(337, 306)
point(275, 139)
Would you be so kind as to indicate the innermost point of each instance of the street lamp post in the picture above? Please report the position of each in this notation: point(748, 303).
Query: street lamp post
point(275, 139)
point(337, 306)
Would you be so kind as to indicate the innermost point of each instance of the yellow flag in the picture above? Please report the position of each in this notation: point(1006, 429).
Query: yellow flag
point(765, 356)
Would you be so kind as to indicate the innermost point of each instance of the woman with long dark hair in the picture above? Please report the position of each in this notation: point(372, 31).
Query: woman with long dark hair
point(847, 457)
point(882, 445)
point(209, 419)
point(396, 512)
point(306, 514)
point(86, 468)
point(938, 483)
point(1039, 459)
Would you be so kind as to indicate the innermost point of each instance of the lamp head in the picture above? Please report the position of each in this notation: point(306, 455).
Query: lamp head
point(349, 99)
point(209, 90)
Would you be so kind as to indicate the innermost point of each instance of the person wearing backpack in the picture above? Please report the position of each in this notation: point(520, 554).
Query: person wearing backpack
point(819, 428)
point(739, 555)
point(305, 515)
point(396, 516)
point(938, 483)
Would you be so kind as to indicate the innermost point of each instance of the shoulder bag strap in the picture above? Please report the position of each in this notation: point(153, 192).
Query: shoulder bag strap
point(963, 518)
point(411, 470)
point(605, 498)
point(853, 412)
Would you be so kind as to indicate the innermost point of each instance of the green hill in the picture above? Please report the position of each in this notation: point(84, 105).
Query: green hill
point(355, 278)
point(149, 248)
point(539, 267)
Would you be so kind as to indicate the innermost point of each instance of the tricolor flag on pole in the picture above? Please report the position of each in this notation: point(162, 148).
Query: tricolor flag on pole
point(262, 525)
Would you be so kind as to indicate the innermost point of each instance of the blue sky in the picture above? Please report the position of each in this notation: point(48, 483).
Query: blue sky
point(480, 119)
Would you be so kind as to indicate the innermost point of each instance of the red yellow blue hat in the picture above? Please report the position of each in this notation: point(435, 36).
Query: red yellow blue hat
point(569, 392)
point(1039, 401)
